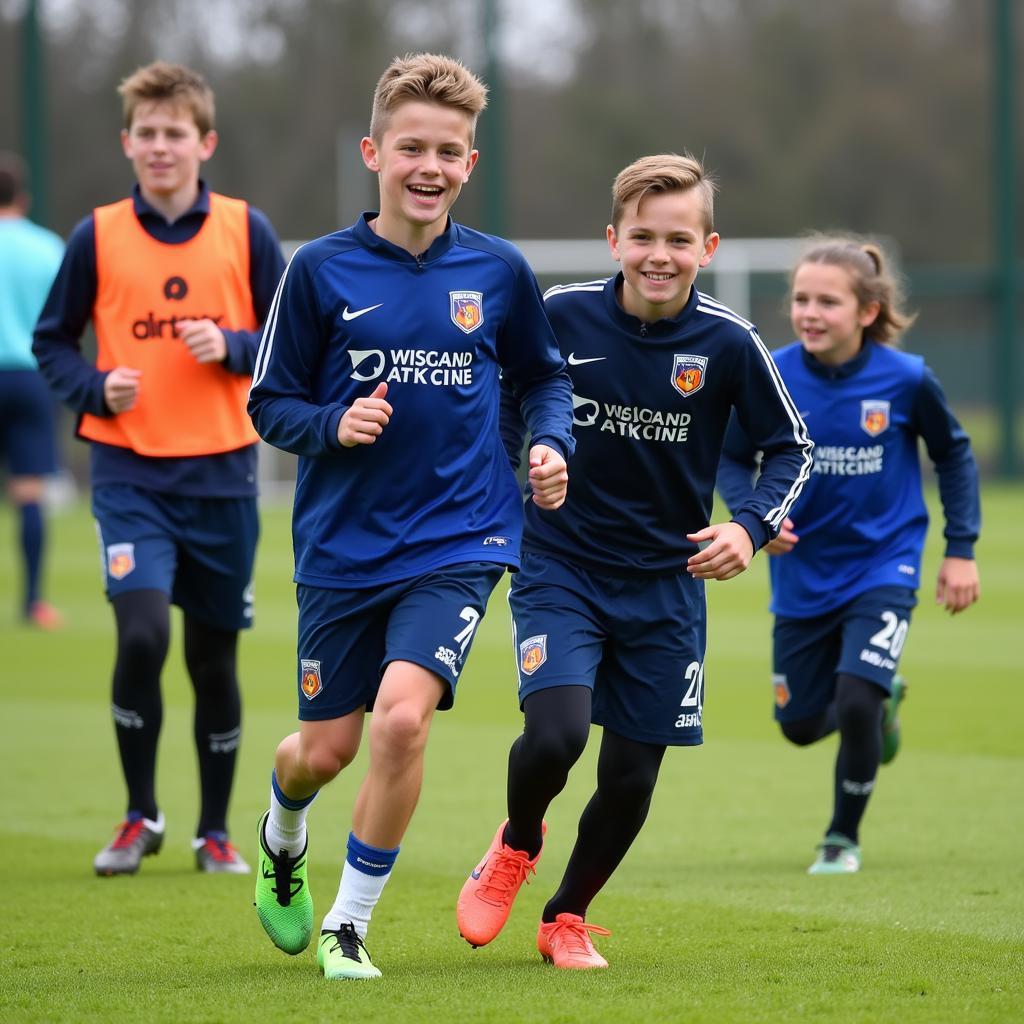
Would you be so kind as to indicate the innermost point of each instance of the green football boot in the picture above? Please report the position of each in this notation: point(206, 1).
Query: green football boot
point(891, 720)
point(283, 901)
point(837, 855)
point(342, 954)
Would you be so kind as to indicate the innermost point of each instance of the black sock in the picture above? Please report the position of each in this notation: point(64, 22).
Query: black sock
point(627, 772)
point(859, 713)
point(143, 633)
point(32, 536)
point(557, 723)
point(210, 655)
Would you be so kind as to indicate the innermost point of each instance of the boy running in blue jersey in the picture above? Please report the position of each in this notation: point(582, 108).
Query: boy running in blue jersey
point(608, 608)
point(176, 280)
point(380, 369)
point(848, 560)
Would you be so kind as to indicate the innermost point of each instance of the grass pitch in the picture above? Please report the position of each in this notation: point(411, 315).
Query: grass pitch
point(714, 917)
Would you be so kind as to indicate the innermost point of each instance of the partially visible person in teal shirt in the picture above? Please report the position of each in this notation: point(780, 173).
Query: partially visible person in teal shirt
point(29, 258)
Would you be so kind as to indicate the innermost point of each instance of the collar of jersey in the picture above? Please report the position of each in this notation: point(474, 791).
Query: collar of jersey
point(844, 370)
point(668, 327)
point(369, 239)
point(198, 210)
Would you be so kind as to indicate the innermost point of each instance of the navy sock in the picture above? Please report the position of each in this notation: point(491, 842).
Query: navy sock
point(859, 714)
point(32, 537)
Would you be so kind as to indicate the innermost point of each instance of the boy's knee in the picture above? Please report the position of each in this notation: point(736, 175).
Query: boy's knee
point(143, 639)
point(858, 704)
point(803, 732)
point(322, 762)
point(402, 727)
point(559, 746)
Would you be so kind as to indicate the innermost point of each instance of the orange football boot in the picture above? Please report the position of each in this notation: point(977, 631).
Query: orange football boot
point(565, 942)
point(43, 615)
point(486, 897)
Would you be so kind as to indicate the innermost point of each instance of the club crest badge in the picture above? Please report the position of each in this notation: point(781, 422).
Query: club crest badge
point(120, 560)
point(310, 683)
point(874, 416)
point(533, 653)
point(467, 310)
point(781, 687)
point(689, 373)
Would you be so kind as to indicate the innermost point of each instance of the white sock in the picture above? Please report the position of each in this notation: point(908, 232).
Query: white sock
point(357, 896)
point(359, 892)
point(286, 826)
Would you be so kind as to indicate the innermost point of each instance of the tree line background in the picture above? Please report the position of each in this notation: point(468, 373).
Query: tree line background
point(869, 115)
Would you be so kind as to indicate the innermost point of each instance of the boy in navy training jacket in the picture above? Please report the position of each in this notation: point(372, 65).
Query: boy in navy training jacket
point(379, 367)
point(608, 608)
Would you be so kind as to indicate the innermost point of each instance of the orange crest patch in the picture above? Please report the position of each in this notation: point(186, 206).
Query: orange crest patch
point(533, 653)
point(467, 310)
point(689, 373)
point(781, 687)
point(874, 416)
point(120, 560)
point(310, 678)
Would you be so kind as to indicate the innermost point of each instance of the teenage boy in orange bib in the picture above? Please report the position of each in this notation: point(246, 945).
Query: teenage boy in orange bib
point(176, 280)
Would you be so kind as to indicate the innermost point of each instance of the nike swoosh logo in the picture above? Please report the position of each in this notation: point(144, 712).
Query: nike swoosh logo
point(346, 315)
point(475, 875)
point(573, 361)
point(804, 413)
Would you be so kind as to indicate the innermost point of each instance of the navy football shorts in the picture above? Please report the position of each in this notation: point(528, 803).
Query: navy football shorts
point(27, 441)
point(863, 638)
point(348, 637)
point(198, 551)
point(637, 643)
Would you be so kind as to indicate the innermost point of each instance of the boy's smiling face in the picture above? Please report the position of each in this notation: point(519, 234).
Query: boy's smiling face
point(661, 243)
point(166, 149)
point(422, 160)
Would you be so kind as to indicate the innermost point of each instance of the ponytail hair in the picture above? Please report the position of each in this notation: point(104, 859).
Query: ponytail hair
point(871, 278)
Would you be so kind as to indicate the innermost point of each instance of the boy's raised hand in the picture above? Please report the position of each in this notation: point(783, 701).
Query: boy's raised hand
point(548, 476)
point(121, 388)
point(365, 419)
point(728, 554)
point(205, 340)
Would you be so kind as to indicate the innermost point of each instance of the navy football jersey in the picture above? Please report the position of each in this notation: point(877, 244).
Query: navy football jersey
point(651, 402)
point(436, 488)
point(861, 518)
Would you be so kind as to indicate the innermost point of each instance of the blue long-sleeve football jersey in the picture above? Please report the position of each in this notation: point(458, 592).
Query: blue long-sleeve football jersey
point(436, 488)
point(651, 403)
point(861, 519)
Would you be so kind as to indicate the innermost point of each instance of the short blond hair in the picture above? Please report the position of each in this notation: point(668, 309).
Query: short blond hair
point(872, 279)
point(429, 78)
point(174, 83)
point(665, 172)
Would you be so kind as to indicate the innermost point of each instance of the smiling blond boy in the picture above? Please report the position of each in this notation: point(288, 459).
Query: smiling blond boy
point(380, 370)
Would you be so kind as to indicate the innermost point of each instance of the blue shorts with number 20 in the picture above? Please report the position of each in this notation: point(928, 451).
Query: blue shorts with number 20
point(863, 638)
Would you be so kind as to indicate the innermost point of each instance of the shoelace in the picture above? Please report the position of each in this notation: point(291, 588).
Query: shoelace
point(128, 834)
point(574, 936)
point(220, 848)
point(347, 939)
point(506, 872)
point(285, 885)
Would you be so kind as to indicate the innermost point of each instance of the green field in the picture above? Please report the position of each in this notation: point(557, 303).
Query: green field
point(714, 917)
